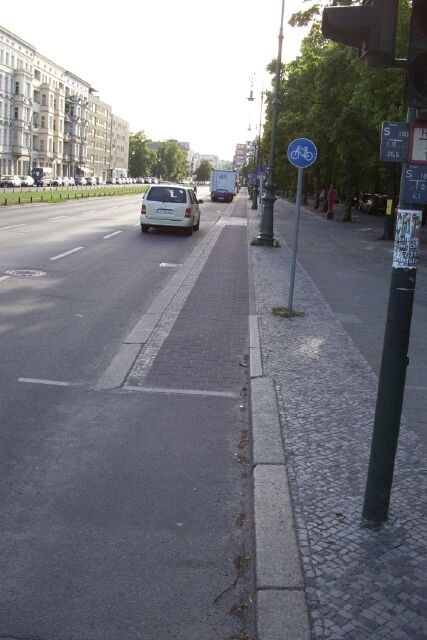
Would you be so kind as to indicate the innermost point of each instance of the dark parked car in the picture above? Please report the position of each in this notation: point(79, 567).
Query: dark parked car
point(221, 195)
point(373, 203)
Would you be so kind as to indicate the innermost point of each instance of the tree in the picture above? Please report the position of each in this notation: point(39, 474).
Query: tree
point(171, 161)
point(330, 96)
point(203, 171)
point(142, 158)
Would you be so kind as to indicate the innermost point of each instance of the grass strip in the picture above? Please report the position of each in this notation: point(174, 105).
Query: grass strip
point(50, 196)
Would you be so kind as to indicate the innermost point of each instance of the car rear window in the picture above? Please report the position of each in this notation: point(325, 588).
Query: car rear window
point(167, 194)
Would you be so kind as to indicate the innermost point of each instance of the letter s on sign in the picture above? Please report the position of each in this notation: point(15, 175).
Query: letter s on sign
point(408, 173)
point(386, 131)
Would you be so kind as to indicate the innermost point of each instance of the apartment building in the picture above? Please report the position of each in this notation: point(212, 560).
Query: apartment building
point(240, 156)
point(52, 118)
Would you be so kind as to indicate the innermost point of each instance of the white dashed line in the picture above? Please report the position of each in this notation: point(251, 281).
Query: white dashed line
point(67, 253)
point(110, 235)
point(56, 383)
point(4, 278)
point(13, 226)
point(58, 218)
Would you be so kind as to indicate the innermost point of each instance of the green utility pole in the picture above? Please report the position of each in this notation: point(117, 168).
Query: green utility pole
point(266, 235)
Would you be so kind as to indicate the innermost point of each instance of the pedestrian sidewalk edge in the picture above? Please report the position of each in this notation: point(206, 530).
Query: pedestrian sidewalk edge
point(280, 599)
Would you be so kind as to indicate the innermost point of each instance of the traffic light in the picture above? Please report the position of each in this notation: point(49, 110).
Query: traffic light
point(416, 67)
point(369, 27)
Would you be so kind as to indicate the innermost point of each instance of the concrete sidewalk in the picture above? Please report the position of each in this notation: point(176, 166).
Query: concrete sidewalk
point(319, 572)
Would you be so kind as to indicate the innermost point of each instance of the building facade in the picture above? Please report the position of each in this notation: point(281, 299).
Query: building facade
point(240, 156)
point(49, 117)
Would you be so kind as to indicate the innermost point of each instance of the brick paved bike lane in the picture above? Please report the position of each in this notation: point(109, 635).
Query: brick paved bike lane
point(206, 346)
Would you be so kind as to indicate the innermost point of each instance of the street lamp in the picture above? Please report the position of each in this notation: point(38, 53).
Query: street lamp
point(266, 236)
point(258, 151)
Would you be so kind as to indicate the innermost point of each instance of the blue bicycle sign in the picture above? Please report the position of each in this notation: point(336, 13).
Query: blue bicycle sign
point(302, 153)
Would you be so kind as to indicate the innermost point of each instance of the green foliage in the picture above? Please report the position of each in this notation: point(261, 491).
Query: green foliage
point(142, 158)
point(203, 171)
point(171, 161)
point(328, 95)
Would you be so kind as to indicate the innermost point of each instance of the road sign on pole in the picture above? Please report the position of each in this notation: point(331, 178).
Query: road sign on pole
point(302, 152)
point(394, 141)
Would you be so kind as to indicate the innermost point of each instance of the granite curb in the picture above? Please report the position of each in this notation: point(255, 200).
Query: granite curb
point(280, 600)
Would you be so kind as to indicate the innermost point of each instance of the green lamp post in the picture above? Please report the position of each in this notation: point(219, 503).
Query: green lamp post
point(266, 235)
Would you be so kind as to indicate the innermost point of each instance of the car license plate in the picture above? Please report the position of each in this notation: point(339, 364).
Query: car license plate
point(168, 211)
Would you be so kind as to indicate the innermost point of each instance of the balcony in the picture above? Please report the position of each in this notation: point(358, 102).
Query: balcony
point(19, 150)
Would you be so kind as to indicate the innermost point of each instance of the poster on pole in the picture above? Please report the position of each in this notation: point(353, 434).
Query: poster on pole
point(407, 239)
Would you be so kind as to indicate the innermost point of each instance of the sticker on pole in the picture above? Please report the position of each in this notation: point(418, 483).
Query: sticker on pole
point(302, 153)
point(407, 239)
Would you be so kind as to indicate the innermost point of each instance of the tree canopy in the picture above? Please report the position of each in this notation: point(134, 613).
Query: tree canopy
point(328, 95)
point(171, 161)
point(142, 159)
point(203, 171)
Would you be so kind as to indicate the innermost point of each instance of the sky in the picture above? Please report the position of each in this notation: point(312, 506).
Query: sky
point(173, 69)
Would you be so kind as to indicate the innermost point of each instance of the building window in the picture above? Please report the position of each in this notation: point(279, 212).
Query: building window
point(16, 88)
point(43, 124)
point(44, 101)
point(16, 113)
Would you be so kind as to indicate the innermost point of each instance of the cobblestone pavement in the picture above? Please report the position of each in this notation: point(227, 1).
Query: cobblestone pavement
point(360, 583)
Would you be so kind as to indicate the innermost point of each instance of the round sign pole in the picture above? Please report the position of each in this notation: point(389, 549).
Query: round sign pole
point(295, 247)
point(302, 153)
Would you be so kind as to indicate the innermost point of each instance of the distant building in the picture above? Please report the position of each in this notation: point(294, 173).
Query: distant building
point(50, 117)
point(240, 156)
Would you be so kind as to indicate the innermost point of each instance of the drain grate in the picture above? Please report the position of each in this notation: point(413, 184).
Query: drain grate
point(26, 273)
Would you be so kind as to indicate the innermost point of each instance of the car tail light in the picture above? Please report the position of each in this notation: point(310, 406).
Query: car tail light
point(143, 210)
point(188, 212)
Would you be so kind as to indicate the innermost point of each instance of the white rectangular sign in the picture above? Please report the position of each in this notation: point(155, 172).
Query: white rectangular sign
point(418, 144)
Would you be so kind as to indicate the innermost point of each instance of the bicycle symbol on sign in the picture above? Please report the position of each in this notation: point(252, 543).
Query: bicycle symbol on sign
point(302, 152)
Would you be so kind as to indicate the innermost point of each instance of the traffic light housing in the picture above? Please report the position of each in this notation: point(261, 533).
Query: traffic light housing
point(416, 67)
point(370, 27)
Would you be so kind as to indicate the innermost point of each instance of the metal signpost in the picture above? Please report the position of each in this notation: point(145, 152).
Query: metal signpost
point(302, 152)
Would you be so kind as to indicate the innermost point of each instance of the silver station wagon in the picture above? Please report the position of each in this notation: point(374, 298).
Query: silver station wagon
point(170, 205)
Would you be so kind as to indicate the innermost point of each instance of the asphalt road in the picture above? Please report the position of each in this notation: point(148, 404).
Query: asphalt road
point(122, 512)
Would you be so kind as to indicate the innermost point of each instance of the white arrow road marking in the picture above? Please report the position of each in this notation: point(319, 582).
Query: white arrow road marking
point(67, 253)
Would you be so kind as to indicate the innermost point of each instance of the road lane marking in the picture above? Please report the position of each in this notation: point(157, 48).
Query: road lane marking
point(4, 278)
point(58, 218)
point(110, 235)
point(55, 383)
point(13, 226)
point(67, 253)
